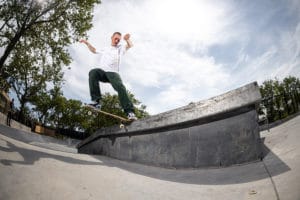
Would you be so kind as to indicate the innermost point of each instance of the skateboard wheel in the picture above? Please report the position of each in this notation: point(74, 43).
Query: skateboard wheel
point(121, 125)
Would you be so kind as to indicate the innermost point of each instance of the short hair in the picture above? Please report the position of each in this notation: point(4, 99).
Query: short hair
point(116, 33)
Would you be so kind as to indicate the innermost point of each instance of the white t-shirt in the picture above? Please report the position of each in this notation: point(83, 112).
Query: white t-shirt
point(111, 58)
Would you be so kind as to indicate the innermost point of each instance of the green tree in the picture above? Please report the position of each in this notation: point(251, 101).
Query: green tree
point(34, 36)
point(281, 98)
point(29, 79)
point(70, 115)
point(50, 24)
point(41, 105)
point(54, 110)
point(111, 104)
point(45, 104)
point(291, 86)
point(267, 93)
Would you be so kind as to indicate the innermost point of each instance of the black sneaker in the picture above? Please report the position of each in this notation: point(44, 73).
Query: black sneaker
point(131, 116)
point(95, 104)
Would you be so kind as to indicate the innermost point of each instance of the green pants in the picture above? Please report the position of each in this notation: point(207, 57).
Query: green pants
point(96, 75)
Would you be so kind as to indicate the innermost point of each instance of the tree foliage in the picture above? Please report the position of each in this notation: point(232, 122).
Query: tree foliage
point(111, 104)
point(281, 98)
point(54, 110)
point(34, 35)
point(49, 24)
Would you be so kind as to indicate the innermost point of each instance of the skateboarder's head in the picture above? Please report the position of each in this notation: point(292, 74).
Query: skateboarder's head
point(115, 38)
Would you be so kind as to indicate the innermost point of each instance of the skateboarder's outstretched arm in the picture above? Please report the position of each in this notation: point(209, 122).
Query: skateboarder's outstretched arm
point(91, 48)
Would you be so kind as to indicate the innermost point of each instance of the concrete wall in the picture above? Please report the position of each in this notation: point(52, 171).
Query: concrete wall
point(220, 131)
point(13, 123)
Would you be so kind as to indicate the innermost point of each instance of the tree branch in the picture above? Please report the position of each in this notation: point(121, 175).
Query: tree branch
point(2, 26)
point(57, 17)
point(43, 13)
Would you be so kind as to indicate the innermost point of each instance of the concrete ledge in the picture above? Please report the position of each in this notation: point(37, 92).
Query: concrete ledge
point(220, 131)
point(14, 124)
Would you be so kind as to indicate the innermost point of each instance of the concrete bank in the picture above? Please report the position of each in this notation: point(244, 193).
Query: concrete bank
point(220, 131)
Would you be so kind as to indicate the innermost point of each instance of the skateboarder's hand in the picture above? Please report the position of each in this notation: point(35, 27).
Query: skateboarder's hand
point(91, 48)
point(83, 41)
point(127, 36)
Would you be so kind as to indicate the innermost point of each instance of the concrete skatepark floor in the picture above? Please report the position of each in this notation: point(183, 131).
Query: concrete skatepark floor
point(37, 170)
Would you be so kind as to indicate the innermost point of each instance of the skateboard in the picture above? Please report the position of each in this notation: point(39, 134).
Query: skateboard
point(123, 121)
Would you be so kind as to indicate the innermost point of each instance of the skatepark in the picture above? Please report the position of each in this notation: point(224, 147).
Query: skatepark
point(36, 170)
point(33, 166)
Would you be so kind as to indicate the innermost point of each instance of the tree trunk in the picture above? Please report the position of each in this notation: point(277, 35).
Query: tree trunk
point(10, 47)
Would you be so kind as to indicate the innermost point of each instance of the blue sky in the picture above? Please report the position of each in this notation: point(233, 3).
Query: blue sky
point(187, 51)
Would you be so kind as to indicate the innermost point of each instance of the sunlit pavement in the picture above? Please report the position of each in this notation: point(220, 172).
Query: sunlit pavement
point(37, 170)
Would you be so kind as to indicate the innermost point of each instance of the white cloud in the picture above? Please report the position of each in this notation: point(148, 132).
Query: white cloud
point(169, 65)
point(280, 60)
point(289, 50)
point(179, 77)
point(190, 20)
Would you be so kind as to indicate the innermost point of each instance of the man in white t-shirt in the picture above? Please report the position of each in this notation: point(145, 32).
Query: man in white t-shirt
point(110, 63)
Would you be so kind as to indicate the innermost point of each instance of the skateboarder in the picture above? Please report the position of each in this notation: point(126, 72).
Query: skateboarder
point(109, 72)
point(10, 112)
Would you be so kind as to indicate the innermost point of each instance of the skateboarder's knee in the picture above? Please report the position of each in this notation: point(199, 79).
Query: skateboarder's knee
point(92, 73)
point(120, 86)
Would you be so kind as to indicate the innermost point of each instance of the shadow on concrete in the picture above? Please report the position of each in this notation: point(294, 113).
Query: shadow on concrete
point(211, 176)
point(29, 156)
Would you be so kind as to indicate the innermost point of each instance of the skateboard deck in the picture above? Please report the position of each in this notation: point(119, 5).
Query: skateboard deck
point(122, 120)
